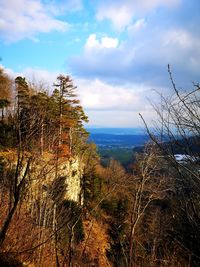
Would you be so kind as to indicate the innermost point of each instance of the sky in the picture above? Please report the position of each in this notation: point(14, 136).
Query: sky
point(116, 51)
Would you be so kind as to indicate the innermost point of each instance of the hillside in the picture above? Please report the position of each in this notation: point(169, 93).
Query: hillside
point(67, 202)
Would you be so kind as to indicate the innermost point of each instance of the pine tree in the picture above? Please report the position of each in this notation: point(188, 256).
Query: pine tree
point(71, 114)
point(5, 92)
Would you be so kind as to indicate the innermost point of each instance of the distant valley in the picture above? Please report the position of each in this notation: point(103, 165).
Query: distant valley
point(118, 143)
point(118, 137)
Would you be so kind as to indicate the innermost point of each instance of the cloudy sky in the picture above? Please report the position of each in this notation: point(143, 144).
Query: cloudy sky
point(116, 51)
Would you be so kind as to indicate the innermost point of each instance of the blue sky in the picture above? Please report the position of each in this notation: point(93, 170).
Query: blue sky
point(116, 51)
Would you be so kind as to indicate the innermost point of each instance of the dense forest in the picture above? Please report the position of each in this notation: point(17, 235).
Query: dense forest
point(60, 207)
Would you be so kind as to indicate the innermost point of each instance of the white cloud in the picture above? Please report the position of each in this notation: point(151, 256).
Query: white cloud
point(137, 26)
point(144, 57)
point(120, 118)
point(113, 106)
point(62, 7)
point(181, 38)
point(121, 12)
point(43, 76)
point(120, 16)
point(21, 19)
point(110, 118)
point(99, 95)
point(92, 42)
point(182, 48)
point(35, 75)
point(105, 42)
point(108, 42)
point(151, 4)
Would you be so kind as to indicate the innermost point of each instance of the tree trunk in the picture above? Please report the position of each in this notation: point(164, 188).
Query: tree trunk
point(17, 192)
point(7, 222)
point(42, 138)
point(2, 114)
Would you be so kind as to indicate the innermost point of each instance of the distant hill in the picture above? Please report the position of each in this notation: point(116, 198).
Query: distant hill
point(117, 143)
point(117, 131)
point(178, 146)
point(118, 137)
point(123, 141)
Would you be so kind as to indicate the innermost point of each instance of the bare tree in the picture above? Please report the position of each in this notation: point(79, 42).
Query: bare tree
point(147, 186)
point(178, 132)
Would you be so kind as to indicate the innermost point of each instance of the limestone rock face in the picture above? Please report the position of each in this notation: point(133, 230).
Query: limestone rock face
point(51, 184)
point(72, 170)
point(67, 181)
point(49, 181)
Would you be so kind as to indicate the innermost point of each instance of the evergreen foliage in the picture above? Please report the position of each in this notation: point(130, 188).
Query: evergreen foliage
point(55, 122)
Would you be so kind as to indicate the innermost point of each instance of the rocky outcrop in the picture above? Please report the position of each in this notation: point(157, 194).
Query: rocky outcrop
point(52, 179)
point(72, 170)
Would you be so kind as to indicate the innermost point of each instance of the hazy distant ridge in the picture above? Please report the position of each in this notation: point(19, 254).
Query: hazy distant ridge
point(118, 137)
